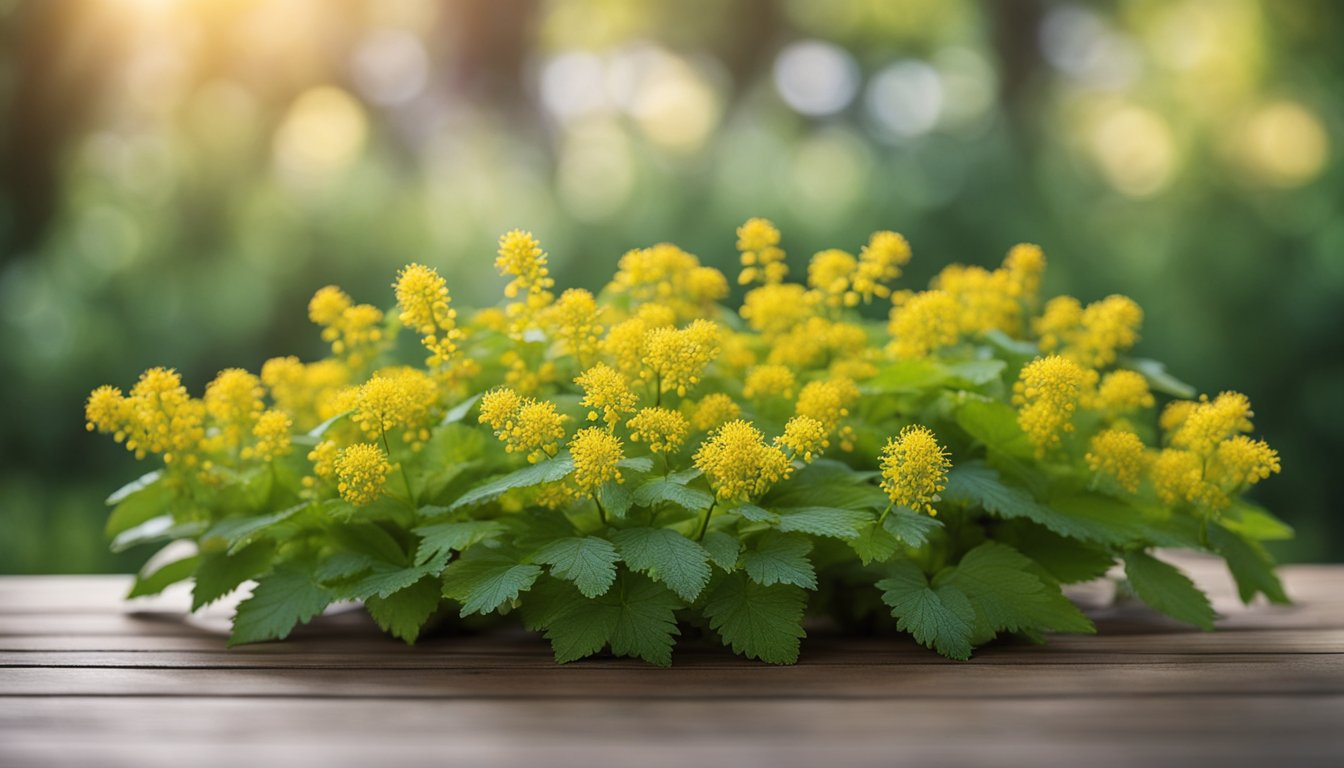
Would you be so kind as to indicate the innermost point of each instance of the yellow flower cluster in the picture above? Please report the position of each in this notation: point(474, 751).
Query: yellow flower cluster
point(739, 463)
point(762, 258)
point(713, 410)
point(605, 389)
point(827, 401)
point(663, 430)
point(1092, 336)
point(777, 308)
point(157, 417)
point(576, 320)
point(1047, 393)
point(1123, 391)
point(273, 436)
point(676, 358)
point(521, 257)
point(306, 391)
point(995, 300)
point(769, 381)
point(399, 398)
point(666, 275)
point(1120, 455)
point(1209, 458)
point(805, 437)
point(354, 331)
point(527, 426)
point(924, 323)
point(829, 274)
point(361, 472)
point(596, 453)
point(880, 262)
point(422, 296)
point(914, 468)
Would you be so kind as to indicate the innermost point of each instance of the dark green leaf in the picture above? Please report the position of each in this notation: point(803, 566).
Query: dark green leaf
point(911, 527)
point(221, 573)
point(660, 490)
point(1068, 561)
point(722, 548)
point(404, 613)
point(616, 499)
point(484, 583)
point(589, 562)
point(995, 424)
point(942, 618)
point(453, 537)
point(1166, 589)
point(281, 600)
point(156, 582)
point(756, 621)
point(1254, 522)
point(546, 471)
point(137, 502)
point(1008, 595)
point(874, 544)
point(636, 617)
point(780, 558)
point(824, 521)
point(1251, 566)
point(237, 532)
point(666, 556)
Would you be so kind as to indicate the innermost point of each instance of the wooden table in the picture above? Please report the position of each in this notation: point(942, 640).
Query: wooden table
point(86, 679)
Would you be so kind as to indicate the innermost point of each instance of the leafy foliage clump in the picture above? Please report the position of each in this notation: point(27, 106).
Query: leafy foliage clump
point(618, 468)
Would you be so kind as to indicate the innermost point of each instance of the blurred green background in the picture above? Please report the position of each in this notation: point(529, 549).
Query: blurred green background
point(178, 176)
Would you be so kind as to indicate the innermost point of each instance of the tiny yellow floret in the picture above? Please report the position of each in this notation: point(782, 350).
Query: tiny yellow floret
point(361, 472)
point(596, 453)
point(914, 468)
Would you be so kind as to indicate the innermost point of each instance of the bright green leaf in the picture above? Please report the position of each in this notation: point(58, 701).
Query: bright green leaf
point(453, 537)
point(589, 562)
point(221, 572)
point(722, 548)
point(1251, 566)
point(405, 612)
point(910, 527)
point(756, 621)
point(163, 577)
point(942, 618)
point(666, 556)
point(484, 583)
point(824, 521)
point(287, 597)
point(660, 490)
point(545, 471)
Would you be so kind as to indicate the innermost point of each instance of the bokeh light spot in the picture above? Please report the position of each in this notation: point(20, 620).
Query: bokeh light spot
point(1284, 144)
point(816, 78)
point(1134, 149)
point(323, 132)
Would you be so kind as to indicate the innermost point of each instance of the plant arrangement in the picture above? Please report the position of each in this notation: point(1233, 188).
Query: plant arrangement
point(614, 468)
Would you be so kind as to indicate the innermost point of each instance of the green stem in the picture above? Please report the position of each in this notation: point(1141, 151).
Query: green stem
point(882, 517)
point(704, 524)
point(410, 495)
point(657, 388)
point(601, 511)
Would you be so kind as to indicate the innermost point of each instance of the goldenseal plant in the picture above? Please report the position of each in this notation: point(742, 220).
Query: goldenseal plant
point(614, 468)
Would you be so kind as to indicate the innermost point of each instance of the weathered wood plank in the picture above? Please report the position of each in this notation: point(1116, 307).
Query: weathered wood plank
point(1305, 675)
point(1153, 731)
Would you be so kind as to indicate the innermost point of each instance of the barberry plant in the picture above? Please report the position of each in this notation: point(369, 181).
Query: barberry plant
point(616, 468)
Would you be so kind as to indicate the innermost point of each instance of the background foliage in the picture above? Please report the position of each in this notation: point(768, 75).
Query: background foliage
point(177, 178)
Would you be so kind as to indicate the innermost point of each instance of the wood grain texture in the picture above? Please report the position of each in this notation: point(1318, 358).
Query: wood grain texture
point(88, 679)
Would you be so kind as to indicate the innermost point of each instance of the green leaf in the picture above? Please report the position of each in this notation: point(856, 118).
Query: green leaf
point(482, 584)
point(911, 527)
point(616, 498)
point(169, 574)
point(161, 528)
point(843, 495)
point(665, 490)
point(546, 471)
point(1006, 343)
point(780, 558)
point(460, 411)
point(1158, 378)
point(995, 424)
point(589, 562)
point(1068, 561)
point(974, 373)
point(755, 514)
point(723, 549)
point(281, 600)
point(637, 464)
point(387, 579)
point(824, 521)
point(666, 556)
point(1251, 566)
point(136, 502)
point(1008, 595)
point(907, 377)
point(221, 572)
point(941, 618)
point(404, 613)
point(974, 484)
point(321, 429)
point(1251, 521)
point(238, 532)
point(874, 544)
point(1166, 589)
point(636, 617)
point(453, 537)
point(757, 621)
